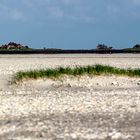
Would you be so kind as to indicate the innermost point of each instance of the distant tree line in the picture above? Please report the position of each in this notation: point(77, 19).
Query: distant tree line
point(105, 47)
point(15, 48)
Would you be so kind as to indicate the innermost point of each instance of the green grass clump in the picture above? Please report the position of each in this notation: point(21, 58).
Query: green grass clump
point(79, 70)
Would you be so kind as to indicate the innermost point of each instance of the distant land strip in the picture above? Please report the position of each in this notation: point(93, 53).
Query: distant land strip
point(94, 51)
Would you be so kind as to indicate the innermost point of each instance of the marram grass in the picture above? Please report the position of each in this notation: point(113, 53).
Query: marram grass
point(77, 71)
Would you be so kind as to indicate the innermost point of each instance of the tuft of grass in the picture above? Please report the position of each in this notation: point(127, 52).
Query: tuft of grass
point(77, 71)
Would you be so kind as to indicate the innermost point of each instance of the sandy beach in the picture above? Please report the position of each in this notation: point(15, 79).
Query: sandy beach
point(79, 108)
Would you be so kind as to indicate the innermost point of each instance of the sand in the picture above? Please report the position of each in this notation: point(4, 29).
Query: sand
point(87, 107)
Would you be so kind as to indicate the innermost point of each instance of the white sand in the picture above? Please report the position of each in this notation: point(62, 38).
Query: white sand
point(98, 107)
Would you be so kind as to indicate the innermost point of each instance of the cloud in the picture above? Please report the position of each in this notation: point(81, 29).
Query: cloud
point(55, 12)
point(66, 10)
point(137, 2)
point(70, 2)
point(121, 11)
point(7, 12)
point(17, 15)
point(88, 11)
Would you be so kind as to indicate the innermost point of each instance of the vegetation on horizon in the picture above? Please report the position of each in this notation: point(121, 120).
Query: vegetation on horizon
point(14, 46)
point(77, 71)
point(100, 48)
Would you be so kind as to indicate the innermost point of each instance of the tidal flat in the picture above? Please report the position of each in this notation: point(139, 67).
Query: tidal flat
point(84, 107)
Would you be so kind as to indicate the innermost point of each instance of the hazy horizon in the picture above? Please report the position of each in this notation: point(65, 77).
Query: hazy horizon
point(70, 24)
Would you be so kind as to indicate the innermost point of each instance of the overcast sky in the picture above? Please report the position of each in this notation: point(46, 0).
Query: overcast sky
point(70, 24)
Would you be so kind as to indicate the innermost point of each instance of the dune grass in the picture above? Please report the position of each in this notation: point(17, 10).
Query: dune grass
point(77, 71)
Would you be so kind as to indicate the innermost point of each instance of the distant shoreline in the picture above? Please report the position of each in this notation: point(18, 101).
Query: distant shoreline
point(42, 51)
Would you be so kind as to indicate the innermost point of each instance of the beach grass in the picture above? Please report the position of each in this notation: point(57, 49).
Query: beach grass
point(76, 71)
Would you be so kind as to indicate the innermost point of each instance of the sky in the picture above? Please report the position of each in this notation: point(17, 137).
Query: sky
point(70, 24)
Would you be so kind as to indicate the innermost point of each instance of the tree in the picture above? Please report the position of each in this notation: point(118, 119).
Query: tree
point(137, 46)
point(103, 47)
point(26, 47)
